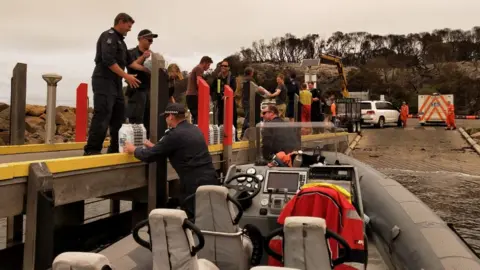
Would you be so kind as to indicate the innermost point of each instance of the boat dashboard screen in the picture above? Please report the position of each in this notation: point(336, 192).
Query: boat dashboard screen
point(282, 180)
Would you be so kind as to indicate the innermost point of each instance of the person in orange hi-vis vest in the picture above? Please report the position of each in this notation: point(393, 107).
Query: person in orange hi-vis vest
point(404, 114)
point(451, 117)
point(333, 109)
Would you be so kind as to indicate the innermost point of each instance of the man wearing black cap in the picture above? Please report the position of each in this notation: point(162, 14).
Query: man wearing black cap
point(185, 147)
point(138, 107)
point(111, 58)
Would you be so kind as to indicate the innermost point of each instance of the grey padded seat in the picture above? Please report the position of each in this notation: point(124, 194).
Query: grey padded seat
point(172, 244)
point(229, 249)
point(305, 246)
point(81, 261)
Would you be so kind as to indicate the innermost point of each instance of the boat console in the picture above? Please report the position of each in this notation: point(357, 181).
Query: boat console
point(270, 188)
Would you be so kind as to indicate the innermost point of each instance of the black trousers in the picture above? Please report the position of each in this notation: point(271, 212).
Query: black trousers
point(138, 107)
point(108, 112)
point(192, 104)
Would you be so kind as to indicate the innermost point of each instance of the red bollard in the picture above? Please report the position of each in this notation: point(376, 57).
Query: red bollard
point(203, 107)
point(81, 113)
point(228, 116)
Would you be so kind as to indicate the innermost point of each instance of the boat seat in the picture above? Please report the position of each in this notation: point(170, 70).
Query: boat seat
point(306, 247)
point(226, 244)
point(81, 261)
point(172, 241)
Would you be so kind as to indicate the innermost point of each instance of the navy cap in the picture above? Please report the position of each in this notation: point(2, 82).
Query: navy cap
point(147, 33)
point(174, 108)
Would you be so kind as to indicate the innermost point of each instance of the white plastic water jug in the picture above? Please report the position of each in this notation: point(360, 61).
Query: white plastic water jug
point(132, 133)
point(222, 133)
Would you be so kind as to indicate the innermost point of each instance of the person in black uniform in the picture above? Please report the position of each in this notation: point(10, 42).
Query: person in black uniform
point(111, 59)
point(185, 147)
point(217, 92)
point(138, 107)
point(292, 90)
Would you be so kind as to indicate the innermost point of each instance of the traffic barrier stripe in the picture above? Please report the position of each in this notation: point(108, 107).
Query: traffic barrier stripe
point(468, 117)
point(20, 169)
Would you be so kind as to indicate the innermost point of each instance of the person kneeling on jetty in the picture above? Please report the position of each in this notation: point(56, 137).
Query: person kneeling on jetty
point(185, 147)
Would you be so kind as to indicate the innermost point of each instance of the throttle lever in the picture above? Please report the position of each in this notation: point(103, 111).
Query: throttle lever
point(285, 193)
point(270, 192)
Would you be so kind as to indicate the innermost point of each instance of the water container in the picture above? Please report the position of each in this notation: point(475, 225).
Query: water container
point(214, 134)
point(210, 134)
point(132, 133)
point(222, 133)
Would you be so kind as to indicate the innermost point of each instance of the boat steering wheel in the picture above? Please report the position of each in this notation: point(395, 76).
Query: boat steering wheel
point(240, 188)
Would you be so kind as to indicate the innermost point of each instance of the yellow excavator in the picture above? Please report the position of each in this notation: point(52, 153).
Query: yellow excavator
point(329, 60)
point(348, 109)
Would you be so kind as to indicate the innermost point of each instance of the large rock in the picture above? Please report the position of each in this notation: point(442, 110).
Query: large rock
point(34, 110)
point(5, 114)
point(34, 124)
point(5, 136)
point(65, 116)
point(61, 129)
point(4, 125)
point(3, 106)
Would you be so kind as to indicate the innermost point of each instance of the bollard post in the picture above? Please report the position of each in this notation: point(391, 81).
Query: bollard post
point(157, 171)
point(81, 113)
point(18, 97)
point(252, 116)
point(227, 127)
point(203, 108)
point(52, 80)
point(17, 137)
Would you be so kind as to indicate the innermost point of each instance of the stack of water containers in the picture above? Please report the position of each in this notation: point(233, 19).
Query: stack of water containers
point(222, 133)
point(215, 134)
point(132, 133)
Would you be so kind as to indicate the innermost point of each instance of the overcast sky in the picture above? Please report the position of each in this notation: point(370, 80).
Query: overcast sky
point(60, 35)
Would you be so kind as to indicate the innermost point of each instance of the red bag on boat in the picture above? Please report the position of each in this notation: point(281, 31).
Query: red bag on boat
point(340, 216)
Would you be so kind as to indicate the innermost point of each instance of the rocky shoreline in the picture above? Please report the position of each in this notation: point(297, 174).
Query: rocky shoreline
point(35, 116)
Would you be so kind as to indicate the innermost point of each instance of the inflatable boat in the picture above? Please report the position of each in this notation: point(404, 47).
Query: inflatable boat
point(235, 225)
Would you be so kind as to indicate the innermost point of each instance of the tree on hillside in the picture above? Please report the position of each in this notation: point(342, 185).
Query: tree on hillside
point(399, 66)
point(357, 48)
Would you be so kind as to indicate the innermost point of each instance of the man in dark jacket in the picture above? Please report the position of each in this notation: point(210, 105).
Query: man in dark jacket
point(248, 77)
point(292, 89)
point(111, 58)
point(138, 107)
point(276, 135)
point(185, 147)
point(217, 92)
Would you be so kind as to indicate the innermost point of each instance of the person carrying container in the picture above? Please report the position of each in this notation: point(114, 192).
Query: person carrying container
point(138, 106)
point(185, 147)
point(404, 114)
point(451, 117)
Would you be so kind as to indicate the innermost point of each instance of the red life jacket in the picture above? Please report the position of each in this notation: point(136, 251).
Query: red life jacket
point(340, 216)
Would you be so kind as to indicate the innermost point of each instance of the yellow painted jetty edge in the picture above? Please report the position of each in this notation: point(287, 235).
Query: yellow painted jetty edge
point(37, 148)
point(20, 169)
